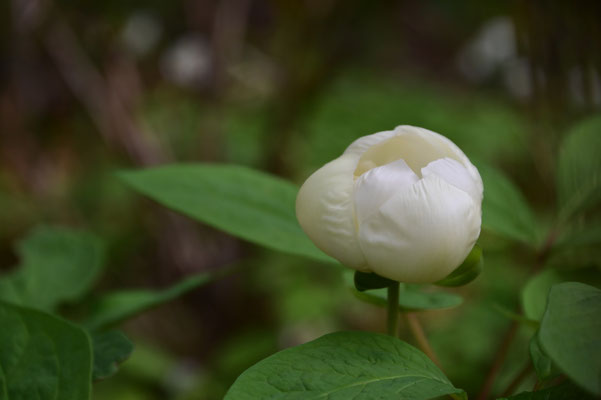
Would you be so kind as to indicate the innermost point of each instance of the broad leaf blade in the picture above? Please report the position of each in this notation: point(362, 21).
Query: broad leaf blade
point(57, 265)
point(110, 349)
point(243, 202)
point(504, 208)
point(42, 357)
point(344, 365)
point(579, 170)
point(116, 307)
point(570, 333)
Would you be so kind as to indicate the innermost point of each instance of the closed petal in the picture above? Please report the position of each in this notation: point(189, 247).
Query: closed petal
point(453, 172)
point(378, 185)
point(417, 146)
point(421, 234)
point(325, 211)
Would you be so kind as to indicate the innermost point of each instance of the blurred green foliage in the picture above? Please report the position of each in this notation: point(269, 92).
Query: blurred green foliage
point(288, 88)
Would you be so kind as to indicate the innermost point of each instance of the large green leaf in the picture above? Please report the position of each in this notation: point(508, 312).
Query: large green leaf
point(570, 333)
point(504, 208)
point(345, 365)
point(42, 357)
point(241, 201)
point(57, 265)
point(579, 170)
point(110, 349)
point(565, 391)
point(116, 307)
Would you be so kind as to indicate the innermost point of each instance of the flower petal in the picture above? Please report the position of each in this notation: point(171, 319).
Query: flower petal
point(421, 234)
point(417, 146)
point(377, 185)
point(325, 211)
point(456, 174)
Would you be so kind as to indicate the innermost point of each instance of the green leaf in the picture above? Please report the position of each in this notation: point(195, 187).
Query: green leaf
point(469, 270)
point(246, 203)
point(57, 265)
point(588, 235)
point(42, 356)
point(543, 365)
point(345, 365)
point(368, 280)
point(534, 295)
point(110, 349)
point(116, 307)
point(579, 169)
point(411, 298)
point(570, 333)
point(565, 391)
point(505, 211)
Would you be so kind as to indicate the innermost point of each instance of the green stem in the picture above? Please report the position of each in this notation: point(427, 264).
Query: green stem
point(393, 309)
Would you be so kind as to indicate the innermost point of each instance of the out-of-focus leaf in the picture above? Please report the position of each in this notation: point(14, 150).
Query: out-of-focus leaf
point(534, 295)
point(411, 298)
point(241, 201)
point(42, 356)
point(569, 333)
point(345, 365)
point(110, 349)
point(579, 170)
point(505, 210)
point(57, 265)
point(565, 391)
point(589, 235)
point(543, 365)
point(479, 125)
point(116, 307)
point(467, 271)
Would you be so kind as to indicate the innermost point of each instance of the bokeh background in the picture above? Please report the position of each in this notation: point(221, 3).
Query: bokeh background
point(90, 88)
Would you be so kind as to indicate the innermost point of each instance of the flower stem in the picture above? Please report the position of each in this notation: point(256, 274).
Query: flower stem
point(393, 309)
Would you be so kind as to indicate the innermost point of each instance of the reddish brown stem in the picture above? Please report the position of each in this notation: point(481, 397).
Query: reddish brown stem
point(422, 341)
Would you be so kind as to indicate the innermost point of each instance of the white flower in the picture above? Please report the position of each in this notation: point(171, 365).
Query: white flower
point(405, 204)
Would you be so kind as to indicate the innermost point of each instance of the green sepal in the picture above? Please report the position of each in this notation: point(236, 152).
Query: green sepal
point(368, 280)
point(467, 271)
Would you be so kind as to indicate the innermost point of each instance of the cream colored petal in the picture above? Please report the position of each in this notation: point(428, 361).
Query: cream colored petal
point(377, 185)
point(453, 172)
point(421, 234)
point(359, 146)
point(417, 146)
point(325, 211)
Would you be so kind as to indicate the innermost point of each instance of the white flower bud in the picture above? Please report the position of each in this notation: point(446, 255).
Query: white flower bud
point(405, 204)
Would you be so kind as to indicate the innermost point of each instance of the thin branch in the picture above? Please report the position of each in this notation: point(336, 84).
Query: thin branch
point(422, 341)
point(499, 360)
point(523, 374)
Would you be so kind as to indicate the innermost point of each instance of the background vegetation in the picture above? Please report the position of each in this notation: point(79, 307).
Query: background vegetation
point(90, 89)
